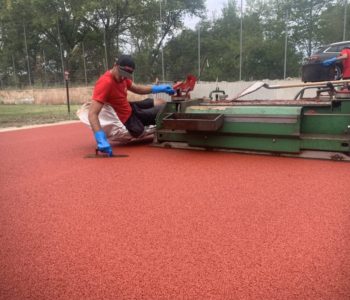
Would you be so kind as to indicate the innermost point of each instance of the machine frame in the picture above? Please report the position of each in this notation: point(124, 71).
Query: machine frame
point(317, 127)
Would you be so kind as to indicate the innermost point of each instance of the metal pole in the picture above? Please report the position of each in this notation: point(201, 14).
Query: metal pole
point(199, 52)
point(240, 44)
point(14, 71)
point(66, 77)
point(1, 83)
point(84, 64)
point(27, 56)
point(45, 75)
point(285, 48)
point(105, 44)
point(345, 15)
point(61, 52)
point(162, 53)
point(163, 71)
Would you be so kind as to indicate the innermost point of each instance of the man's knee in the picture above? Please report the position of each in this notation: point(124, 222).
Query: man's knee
point(158, 101)
point(134, 125)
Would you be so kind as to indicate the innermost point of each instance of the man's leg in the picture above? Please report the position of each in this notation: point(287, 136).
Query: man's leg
point(159, 102)
point(148, 103)
point(134, 125)
point(147, 110)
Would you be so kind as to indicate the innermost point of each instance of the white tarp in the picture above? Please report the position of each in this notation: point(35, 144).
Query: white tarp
point(111, 125)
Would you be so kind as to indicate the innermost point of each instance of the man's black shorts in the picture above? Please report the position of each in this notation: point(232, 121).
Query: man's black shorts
point(144, 113)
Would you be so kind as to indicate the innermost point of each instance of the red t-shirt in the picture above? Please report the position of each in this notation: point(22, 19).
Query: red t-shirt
point(108, 90)
point(346, 63)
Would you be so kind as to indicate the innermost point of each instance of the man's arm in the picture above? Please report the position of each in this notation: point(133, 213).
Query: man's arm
point(94, 111)
point(100, 136)
point(141, 89)
point(333, 60)
point(154, 89)
point(342, 57)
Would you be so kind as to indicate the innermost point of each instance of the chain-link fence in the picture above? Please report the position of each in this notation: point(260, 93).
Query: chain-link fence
point(47, 74)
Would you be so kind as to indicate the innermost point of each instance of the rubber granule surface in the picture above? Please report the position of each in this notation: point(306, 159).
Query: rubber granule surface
point(167, 223)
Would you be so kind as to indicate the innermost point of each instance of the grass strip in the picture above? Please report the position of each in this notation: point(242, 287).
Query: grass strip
point(18, 115)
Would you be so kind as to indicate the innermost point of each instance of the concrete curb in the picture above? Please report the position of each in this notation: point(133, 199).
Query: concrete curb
point(38, 126)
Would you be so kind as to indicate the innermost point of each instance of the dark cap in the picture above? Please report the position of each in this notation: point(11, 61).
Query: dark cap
point(126, 65)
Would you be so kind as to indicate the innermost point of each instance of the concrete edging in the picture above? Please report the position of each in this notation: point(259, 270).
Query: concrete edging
point(38, 126)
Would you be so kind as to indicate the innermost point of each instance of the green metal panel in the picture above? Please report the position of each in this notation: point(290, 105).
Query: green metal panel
point(345, 106)
point(267, 128)
point(320, 109)
point(247, 110)
point(285, 129)
point(324, 142)
point(165, 135)
point(325, 123)
point(274, 144)
point(255, 119)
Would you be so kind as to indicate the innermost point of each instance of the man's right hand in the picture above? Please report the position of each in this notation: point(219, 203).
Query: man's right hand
point(102, 142)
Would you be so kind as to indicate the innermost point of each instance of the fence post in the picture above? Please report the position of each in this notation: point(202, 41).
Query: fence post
point(66, 78)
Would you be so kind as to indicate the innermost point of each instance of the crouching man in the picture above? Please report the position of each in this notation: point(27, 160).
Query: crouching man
point(111, 89)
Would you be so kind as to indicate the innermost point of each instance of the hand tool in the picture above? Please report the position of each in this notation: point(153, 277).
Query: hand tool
point(99, 154)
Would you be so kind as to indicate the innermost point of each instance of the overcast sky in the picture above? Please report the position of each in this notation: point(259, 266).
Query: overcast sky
point(213, 7)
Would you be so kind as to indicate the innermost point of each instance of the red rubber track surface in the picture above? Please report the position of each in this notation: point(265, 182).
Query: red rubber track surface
point(166, 223)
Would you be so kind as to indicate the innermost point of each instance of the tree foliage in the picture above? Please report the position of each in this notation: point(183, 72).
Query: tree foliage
point(272, 30)
point(40, 39)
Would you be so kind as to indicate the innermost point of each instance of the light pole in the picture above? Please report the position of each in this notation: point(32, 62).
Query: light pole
point(199, 52)
point(61, 52)
point(240, 44)
point(27, 55)
point(161, 46)
point(14, 70)
point(285, 47)
point(66, 79)
point(105, 48)
point(84, 62)
point(345, 9)
point(45, 75)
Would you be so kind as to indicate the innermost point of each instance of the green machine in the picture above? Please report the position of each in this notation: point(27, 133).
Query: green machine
point(317, 127)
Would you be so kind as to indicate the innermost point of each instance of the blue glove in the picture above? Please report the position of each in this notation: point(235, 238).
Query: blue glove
point(102, 142)
point(163, 88)
point(329, 62)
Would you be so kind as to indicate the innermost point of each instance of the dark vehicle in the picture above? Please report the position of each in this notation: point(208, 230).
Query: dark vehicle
point(313, 70)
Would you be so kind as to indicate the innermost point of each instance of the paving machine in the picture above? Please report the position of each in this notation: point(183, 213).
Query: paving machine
point(316, 127)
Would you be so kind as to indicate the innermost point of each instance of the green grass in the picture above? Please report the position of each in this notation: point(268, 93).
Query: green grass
point(18, 115)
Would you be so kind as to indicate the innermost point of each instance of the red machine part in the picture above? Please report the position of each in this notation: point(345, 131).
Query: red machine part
point(183, 88)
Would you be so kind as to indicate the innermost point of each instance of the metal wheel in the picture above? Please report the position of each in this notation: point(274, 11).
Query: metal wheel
point(338, 73)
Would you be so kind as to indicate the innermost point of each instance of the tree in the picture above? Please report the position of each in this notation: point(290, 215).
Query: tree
point(148, 48)
point(305, 18)
point(86, 35)
point(18, 54)
point(267, 46)
point(331, 24)
point(61, 29)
